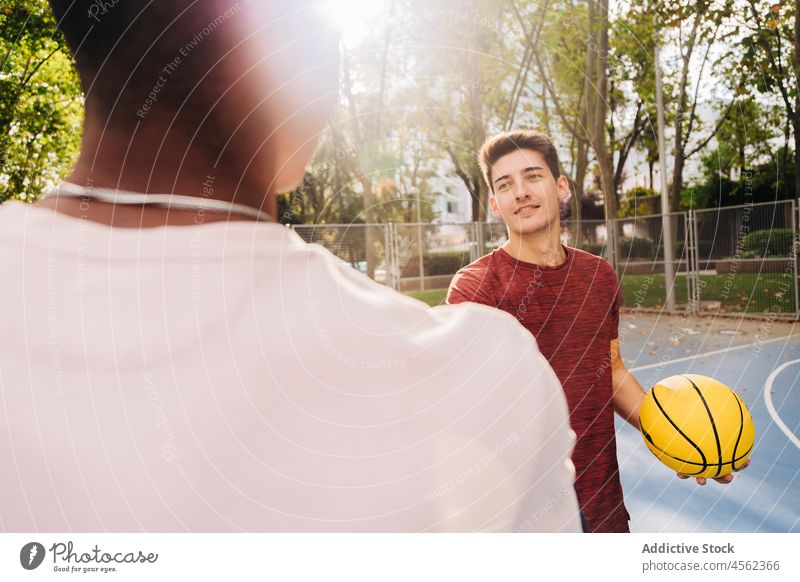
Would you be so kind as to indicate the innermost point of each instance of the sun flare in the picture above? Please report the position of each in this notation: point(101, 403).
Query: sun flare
point(353, 16)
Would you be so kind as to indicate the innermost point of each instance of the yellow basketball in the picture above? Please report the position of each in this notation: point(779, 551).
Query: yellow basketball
point(697, 426)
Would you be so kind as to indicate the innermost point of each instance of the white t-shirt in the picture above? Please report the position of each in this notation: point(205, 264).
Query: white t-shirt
point(228, 377)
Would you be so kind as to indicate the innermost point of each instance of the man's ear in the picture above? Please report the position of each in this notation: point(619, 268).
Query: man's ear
point(493, 204)
point(564, 193)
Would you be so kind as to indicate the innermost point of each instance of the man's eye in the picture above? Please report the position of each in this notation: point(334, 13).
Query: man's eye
point(533, 177)
point(502, 187)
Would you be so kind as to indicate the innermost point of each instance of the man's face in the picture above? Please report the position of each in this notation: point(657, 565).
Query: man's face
point(526, 194)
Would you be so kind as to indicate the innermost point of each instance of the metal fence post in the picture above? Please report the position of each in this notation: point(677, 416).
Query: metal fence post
point(794, 258)
point(696, 256)
point(421, 259)
point(391, 255)
point(387, 254)
point(692, 255)
point(688, 242)
point(480, 242)
point(611, 236)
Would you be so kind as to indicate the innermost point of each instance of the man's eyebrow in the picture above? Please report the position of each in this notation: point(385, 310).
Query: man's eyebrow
point(528, 169)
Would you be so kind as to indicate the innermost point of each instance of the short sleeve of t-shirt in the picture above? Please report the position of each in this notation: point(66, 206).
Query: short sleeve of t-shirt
point(468, 285)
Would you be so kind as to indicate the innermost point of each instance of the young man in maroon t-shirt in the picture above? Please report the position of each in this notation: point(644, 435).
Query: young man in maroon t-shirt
point(569, 300)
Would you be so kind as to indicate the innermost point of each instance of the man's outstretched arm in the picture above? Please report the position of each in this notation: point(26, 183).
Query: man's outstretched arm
point(627, 392)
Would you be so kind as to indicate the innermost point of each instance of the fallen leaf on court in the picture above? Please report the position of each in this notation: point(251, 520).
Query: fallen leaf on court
point(729, 332)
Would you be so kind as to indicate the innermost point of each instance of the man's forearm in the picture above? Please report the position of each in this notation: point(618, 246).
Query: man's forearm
point(627, 396)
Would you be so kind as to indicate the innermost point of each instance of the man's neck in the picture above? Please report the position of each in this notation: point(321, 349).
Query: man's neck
point(538, 248)
point(186, 170)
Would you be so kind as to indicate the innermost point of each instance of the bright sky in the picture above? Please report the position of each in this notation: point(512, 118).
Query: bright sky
point(353, 15)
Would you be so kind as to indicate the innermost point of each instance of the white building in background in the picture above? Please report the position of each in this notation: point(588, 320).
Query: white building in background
point(452, 202)
point(452, 207)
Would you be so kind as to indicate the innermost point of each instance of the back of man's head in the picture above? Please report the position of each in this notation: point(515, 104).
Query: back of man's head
point(123, 48)
point(256, 77)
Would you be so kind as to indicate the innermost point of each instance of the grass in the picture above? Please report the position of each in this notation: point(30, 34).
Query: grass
point(432, 298)
point(743, 292)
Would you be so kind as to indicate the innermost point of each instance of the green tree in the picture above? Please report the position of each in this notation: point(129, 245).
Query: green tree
point(466, 57)
point(743, 140)
point(769, 58)
point(40, 102)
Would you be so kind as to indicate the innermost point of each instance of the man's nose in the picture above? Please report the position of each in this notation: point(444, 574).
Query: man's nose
point(520, 191)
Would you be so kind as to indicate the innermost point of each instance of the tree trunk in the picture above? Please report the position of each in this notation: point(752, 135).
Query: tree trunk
point(545, 114)
point(795, 119)
point(677, 179)
point(581, 165)
point(784, 163)
point(480, 203)
point(361, 175)
point(480, 197)
point(680, 139)
point(605, 160)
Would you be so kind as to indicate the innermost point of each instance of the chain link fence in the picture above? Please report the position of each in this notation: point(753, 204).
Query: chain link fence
point(746, 257)
point(589, 235)
point(739, 260)
point(426, 256)
point(640, 260)
point(366, 247)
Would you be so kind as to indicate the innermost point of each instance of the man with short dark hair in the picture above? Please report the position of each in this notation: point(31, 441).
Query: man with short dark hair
point(177, 361)
point(569, 300)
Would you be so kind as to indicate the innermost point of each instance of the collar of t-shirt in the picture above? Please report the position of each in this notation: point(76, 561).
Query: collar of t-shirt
point(564, 267)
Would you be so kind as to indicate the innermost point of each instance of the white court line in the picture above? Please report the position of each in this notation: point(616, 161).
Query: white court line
point(771, 407)
point(714, 353)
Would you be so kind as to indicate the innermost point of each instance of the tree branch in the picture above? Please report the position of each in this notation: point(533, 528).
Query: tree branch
point(532, 37)
point(716, 129)
point(690, 125)
point(38, 66)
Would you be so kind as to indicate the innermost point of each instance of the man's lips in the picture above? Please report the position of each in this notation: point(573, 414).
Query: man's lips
point(526, 209)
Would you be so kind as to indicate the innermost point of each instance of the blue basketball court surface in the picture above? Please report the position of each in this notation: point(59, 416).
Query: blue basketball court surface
point(761, 361)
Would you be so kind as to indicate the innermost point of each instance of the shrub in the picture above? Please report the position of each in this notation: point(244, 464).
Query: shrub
point(636, 247)
point(775, 242)
point(677, 249)
point(640, 192)
point(594, 248)
point(633, 203)
point(436, 264)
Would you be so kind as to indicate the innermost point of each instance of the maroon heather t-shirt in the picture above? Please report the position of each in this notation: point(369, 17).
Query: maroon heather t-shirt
point(573, 312)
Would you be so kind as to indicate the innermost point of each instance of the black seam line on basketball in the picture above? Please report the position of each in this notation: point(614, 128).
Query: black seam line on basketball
point(662, 451)
point(676, 427)
point(741, 428)
point(713, 425)
point(666, 454)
